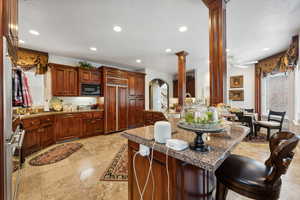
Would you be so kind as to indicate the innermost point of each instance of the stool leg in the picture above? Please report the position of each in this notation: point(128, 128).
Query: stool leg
point(269, 133)
point(221, 192)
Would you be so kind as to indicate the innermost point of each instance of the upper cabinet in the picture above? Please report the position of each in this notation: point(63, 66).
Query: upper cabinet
point(10, 28)
point(136, 84)
point(89, 76)
point(64, 80)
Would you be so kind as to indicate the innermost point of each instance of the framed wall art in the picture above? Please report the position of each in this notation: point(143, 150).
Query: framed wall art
point(236, 95)
point(236, 81)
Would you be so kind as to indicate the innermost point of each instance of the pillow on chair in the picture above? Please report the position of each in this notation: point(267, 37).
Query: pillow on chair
point(269, 123)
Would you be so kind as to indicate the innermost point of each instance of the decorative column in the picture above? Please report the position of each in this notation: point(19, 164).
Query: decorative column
point(258, 77)
point(181, 76)
point(217, 50)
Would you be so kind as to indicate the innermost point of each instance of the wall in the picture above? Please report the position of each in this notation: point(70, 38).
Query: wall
point(249, 87)
point(202, 82)
point(152, 74)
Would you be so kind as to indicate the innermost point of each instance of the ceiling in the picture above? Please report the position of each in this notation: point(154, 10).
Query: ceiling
point(71, 27)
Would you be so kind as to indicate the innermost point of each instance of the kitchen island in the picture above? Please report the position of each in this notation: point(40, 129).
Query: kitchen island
point(191, 173)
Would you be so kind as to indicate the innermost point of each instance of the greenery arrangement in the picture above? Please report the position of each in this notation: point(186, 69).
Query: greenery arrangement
point(85, 65)
point(207, 118)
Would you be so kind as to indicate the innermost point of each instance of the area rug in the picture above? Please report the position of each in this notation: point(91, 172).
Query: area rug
point(15, 166)
point(118, 169)
point(55, 154)
point(260, 138)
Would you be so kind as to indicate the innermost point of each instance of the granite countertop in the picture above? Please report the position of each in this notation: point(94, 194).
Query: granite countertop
point(221, 144)
point(56, 113)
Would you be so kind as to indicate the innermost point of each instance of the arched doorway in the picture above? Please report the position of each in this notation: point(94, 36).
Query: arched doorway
point(159, 95)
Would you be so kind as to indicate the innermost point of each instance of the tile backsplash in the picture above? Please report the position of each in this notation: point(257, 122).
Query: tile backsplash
point(79, 100)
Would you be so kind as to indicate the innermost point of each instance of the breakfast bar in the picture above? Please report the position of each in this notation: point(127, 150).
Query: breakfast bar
point(190, 173)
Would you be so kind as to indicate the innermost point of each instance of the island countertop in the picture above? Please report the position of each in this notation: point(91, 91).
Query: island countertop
point(221, 144)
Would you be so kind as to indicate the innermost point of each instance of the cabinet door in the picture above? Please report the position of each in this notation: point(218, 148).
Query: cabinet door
point(58, 81)
point(131, 85)
point(95, 76)
point(98, 126)
point(68, 127)
point(72, 82)
point(131, 113)
point(139, 110)
point(47, 137)
point(85, 76)
point(87, 128)
point(140, 86)
point(32, 141)
point(110, 110)
point(122, 108)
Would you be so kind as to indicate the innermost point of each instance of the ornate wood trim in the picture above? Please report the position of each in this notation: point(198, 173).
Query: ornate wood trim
point(217, 50)
point(181, 76)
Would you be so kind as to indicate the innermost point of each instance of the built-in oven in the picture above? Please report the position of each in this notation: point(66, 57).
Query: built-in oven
point(90, 89)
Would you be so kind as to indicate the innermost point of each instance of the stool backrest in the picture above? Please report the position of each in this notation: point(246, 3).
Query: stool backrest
point(282, 146)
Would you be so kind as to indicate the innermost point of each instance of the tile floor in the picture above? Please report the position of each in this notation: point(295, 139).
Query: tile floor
point(77, 177)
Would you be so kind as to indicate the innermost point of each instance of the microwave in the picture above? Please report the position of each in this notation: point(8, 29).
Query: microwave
point(90, 90)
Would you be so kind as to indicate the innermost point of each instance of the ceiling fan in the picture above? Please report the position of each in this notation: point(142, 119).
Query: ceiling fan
point(235, 63)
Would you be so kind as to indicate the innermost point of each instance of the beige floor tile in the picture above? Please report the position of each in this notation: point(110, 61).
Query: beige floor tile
point(78, 176)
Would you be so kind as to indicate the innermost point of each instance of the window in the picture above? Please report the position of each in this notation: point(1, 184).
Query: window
point(276, 93)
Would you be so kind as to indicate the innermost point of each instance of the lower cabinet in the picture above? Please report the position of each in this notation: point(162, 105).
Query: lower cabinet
point(32, 142)
point(135, 113)
point(67, 126)
point(92, 127)
point(42, 132)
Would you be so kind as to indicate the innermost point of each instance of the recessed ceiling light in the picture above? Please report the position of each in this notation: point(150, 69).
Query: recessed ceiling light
point(117, 28)
point(168, 50)
point(93, 48)
point(21, 41)
point(266, 49)
point(138, 60)
point(227, 50)
point(183, 29)
point(34, 32)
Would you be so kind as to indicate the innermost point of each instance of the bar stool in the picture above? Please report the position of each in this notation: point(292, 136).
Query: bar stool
point(253, 179)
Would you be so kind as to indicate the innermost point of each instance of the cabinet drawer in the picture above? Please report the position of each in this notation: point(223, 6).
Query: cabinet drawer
point(116, 73)
point(98, 115)
point(117, 81)
point(47, 120)
point(87, 115)
point(30, 124)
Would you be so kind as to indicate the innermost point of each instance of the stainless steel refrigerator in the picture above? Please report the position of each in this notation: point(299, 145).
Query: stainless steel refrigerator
point(12, 140)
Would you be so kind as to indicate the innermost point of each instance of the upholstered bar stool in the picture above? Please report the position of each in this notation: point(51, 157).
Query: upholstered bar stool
point(253, 179)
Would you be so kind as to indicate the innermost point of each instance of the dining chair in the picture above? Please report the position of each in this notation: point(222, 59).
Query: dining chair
point(275, 121)
point(245, 120)
point(253, 179)
point(249, 110)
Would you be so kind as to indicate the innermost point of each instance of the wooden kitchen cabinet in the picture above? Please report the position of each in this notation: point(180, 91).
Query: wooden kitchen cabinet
point(93, 124)
point(136, 85)
point(136, 99)
point(135, 113)
point(10, 26)
point(32, 141)
point(68, 126)
point(92, 76)
point(64, 80)
point(122, 108)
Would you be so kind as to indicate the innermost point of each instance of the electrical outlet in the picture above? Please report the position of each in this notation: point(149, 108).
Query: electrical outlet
point(144, 150)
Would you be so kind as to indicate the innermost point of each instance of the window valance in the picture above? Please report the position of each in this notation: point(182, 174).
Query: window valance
point(28, 59)
point(282, 62)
